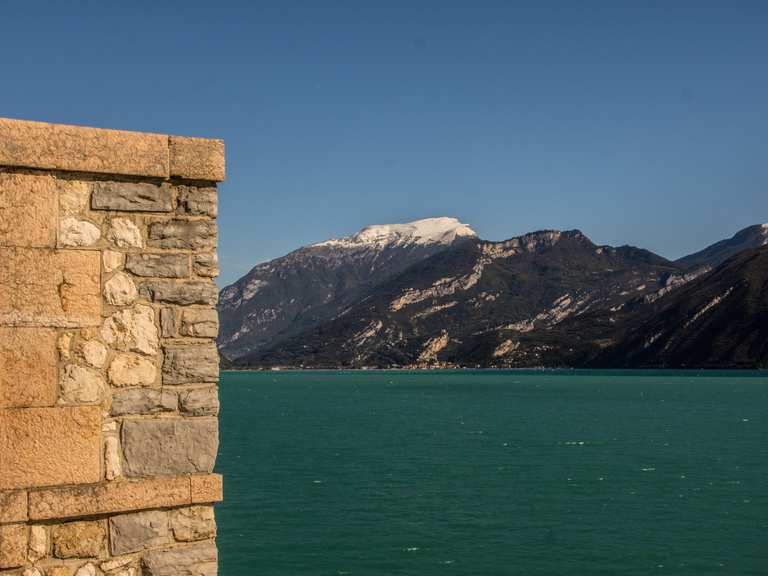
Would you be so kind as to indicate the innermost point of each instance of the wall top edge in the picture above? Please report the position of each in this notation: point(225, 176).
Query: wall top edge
point(70, 148)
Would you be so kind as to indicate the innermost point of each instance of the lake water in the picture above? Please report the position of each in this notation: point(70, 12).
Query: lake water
point(494, 473)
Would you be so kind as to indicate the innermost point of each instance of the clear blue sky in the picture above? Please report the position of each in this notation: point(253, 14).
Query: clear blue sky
point(638, 122)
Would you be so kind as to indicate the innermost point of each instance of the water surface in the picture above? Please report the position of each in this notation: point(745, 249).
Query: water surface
point(494, 473)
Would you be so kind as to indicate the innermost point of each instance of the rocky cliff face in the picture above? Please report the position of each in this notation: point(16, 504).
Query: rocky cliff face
point(549, 298)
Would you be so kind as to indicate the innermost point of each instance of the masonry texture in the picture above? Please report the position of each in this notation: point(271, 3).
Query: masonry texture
point(108, 364)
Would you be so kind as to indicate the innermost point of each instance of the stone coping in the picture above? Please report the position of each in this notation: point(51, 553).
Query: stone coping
point(67, 502)
point(39, 145)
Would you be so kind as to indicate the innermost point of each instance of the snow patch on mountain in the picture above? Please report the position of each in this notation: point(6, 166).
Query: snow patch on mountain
point(442, 230)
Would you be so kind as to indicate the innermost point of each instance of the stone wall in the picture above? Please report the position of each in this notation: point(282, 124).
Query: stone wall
point(108, 366)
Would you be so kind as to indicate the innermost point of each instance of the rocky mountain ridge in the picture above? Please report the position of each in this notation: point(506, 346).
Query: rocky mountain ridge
point(431, 293)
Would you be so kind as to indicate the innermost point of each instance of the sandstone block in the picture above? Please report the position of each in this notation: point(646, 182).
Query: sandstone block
point(132, 370)
point(81, 385)
point(169, 446)
point(120, 290)
point(58, 571)
point(49, 446)
point(206, 488)
point(75, 232)
point(143, 401)
point(195, 560)
point(132, 330)
point(116, 563)
point(190, 364)
point(112, 260)
point(131, 197)
point(45, 288)
point(168, 323)
point(110, 497)
point(13, 506)
point(28, 209)
point(198, 201)
point(197, 158)
point(158, 265)
point(183, 234)
point(27, 367)
point(81, 149)
point(194, 523)
point(139, 531)
point(181, 293)
point(13, 545)
point(206, 264)
point(124, 234)
point(200, 322)
point(78, 539)
point(200, 402)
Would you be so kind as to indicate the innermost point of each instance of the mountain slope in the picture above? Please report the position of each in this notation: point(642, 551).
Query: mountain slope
point(717, 321)
point(312, 285)
point(714, 255)
point(479, 303)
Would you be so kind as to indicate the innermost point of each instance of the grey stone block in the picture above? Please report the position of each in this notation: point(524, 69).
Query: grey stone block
point(194, 560)
point(206, 264)
point(200, 402)
point(158, 265)
point(134, 532)
point(200, 322)
point(143, 401)
point(131, 197)
point(185, 234)
point(182, 293)
point(161, 446)
point(190, 364)
point(193, 523)
point(198, 201)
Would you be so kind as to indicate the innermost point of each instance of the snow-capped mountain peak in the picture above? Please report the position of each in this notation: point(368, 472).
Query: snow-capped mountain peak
point(442, 230)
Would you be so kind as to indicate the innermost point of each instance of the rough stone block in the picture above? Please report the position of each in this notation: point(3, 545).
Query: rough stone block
point(194, 523)
point(124, 233)
point(27, 367)
point(28, 209)
point(47, 288)
point(13, 506)
point(195, 560)
point(206, 264)
point(200, 402)
point(190, 364)
point(13, 545)
point(168, 323)
point(78, 539)
point(131, 197)
point(81, 385)
point(200, 322)
point(197, 158)
point(206, 488)
point(158, 265)
point(181, 293)
point(77, 232)
point(110, 497)
point(198, 201)
point(143, 401)
point(139, 531)
point(38, 542)
point(120, 290)
point(183, 234)
point(169, 446)
point(132, 370)
point(49, 446)
point(132, 330)
point(81, 149)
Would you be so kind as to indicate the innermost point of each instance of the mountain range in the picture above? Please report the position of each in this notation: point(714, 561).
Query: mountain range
point(431, 293)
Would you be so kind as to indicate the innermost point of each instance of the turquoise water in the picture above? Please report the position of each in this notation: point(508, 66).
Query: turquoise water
point(494, 473)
